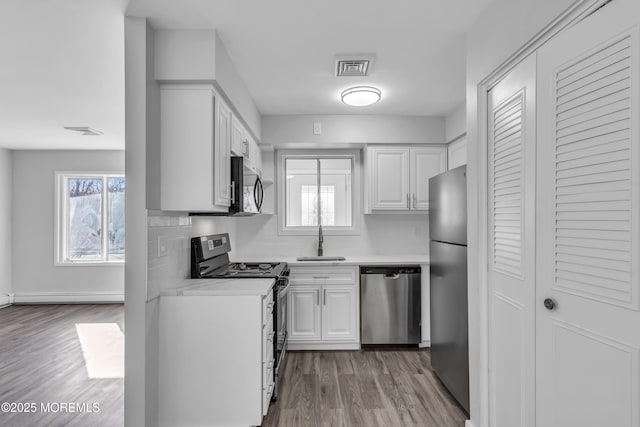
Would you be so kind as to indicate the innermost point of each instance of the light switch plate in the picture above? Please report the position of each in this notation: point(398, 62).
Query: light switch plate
point(317, 128)
point(163, 246)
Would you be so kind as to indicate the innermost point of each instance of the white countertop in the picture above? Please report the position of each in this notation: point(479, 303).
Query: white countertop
point(219, 287)
point(357, 260)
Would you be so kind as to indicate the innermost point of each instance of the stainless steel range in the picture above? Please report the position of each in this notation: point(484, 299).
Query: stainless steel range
point(210, 260)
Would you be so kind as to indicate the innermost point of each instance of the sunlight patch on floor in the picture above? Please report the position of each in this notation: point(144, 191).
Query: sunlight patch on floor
point(103, 349)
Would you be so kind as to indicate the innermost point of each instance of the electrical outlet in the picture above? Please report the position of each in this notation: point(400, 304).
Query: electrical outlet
point(317, 128)
point(163, 246)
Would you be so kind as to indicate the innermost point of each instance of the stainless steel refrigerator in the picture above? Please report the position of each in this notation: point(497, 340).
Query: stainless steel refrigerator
point(448, 273)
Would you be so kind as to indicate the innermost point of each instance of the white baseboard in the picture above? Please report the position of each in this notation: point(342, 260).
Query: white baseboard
point(467, 423)
point(424, 344)
point(6, 300)
point(68, 297)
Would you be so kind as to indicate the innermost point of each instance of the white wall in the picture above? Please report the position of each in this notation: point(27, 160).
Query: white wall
point(228, 79)
point(6, 179)
point(141, 335)
point(34, 273)
point(282, 131)
point(200, 55)
point(256, 238)
point(498, 33)
point(456, 123)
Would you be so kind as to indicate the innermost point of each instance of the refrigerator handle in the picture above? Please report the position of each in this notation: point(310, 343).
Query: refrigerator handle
point(408, 202)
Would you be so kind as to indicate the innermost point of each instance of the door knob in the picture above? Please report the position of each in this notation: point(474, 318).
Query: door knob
point(550, 304)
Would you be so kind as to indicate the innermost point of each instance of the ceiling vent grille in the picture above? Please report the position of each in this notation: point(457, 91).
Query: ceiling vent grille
point(353, 65)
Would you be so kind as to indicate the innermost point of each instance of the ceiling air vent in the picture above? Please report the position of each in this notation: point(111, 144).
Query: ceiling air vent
point(353, 65)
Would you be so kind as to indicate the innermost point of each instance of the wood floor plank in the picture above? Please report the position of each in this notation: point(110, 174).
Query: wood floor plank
point(41, 361)
point(363, 388)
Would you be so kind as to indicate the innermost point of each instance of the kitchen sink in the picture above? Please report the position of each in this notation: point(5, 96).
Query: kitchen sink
point(321, 258)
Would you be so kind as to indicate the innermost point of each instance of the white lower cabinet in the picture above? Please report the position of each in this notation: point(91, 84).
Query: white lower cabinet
point(323, 308)
point(216, 360)
point(304, 313)
point(338, 314)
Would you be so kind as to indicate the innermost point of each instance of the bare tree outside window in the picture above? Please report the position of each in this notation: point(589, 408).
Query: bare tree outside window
point(93, 215)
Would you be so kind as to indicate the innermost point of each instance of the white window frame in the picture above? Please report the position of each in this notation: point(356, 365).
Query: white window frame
point(62, 214)
point(356, 192)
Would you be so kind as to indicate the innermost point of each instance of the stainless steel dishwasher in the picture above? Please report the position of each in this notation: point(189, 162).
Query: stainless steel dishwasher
point(390, 309)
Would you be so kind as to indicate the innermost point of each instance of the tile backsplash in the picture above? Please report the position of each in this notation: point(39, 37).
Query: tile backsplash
point(167, 252)
point(257, 237)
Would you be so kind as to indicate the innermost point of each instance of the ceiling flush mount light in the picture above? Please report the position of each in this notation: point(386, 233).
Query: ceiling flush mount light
point(84, 130)
point(360, 96)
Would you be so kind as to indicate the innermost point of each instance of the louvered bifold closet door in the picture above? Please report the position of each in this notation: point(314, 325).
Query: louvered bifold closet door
point(593, 175)
point(507, 185)
point(588, 224)
point(511, 246)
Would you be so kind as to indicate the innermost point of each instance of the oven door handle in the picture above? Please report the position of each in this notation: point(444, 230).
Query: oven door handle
point(284, 290)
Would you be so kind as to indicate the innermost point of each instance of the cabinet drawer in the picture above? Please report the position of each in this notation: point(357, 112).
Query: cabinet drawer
point(266, 398)
point(324, 275)
point(267, 308)
point(267, 372)
point(268, 335)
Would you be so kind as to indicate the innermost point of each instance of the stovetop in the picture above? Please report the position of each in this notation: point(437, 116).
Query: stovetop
point(210, 259)
point(248, 269)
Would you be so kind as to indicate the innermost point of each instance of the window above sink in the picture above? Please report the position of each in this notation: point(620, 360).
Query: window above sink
point(318, 187)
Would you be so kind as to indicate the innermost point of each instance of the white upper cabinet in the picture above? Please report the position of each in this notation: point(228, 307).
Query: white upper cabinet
point(398, 177)
point(222, 164)
point(457, 153)
point(193, 155)
point(251, 153)
point(425, 163)
point(237, 136)
point(389, 179)
point(243, 144)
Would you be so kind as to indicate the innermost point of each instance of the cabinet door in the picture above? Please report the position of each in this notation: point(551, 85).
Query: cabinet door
point(222, 160)
point(425, 163)
point(304, 313)
point(187, 155)
point(457, 153)
point(237, 136)
point(254, 154)
point(339, 313)
point(389, 179)
point(257, 157)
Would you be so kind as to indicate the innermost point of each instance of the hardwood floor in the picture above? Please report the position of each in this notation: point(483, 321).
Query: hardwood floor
point(363, 388)
point(41, 361)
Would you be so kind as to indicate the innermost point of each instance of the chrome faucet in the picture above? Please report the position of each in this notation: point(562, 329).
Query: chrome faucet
point(320, 240)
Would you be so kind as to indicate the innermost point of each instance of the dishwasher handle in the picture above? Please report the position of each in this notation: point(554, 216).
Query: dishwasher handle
point(390, 271)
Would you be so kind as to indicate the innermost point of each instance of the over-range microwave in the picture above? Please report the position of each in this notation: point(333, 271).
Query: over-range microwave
point(246, 189)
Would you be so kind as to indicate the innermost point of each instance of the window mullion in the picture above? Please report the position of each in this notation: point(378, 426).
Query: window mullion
point(318, 195)
point(67, 218)
point(105, 224)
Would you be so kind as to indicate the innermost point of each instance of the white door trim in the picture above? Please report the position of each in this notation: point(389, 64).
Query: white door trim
point(574, 14)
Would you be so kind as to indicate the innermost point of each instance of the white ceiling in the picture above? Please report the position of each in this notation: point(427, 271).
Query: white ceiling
point(284, 49)
point(63, 60)
point(62, 65)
